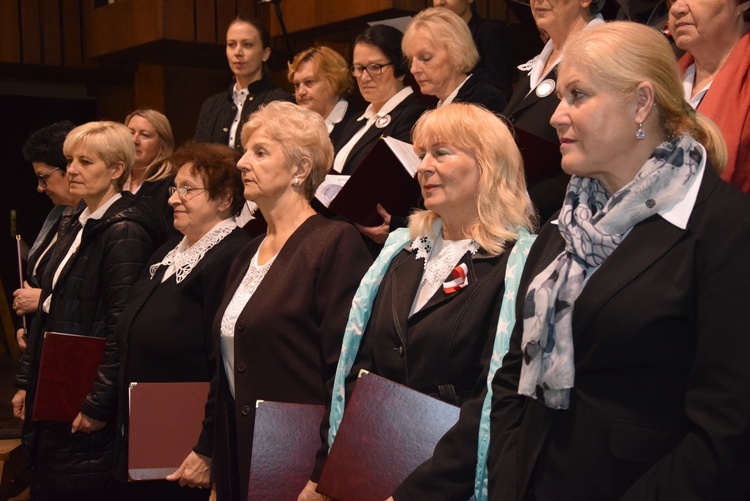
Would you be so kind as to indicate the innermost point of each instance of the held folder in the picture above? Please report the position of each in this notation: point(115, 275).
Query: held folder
point(285, 442)
point(164, 425)
point(386, 176)
point(386, 432)
point(67, 369)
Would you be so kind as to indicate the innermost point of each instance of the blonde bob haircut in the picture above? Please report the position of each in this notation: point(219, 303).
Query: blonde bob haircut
point(621, 55)
point(111, 141)
point(160, 168)
point(503, 205)
point(329, 66)
point(443, 28)
point(301, 133)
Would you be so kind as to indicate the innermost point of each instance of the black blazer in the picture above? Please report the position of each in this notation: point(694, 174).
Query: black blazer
point(341, 129)
point(478, 89)
point(659, 409)
point(546, 182)
point(495, 52)
point(403, 118)
point(442, 350)
point(287, 338)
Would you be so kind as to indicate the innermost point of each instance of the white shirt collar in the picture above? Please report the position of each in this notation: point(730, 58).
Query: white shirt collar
point(336, 114)
point(388, 106)
point(239, 95)
point(98, 213)
point(452, 95)
point(687, 86)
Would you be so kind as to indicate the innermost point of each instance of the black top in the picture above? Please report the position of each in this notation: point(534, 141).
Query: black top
point(219, 110)
point(495, 53)
point(479, 90)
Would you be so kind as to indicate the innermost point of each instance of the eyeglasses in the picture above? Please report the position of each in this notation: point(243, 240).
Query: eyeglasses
point(373, 69)
point(183, 191)
point(43, 177)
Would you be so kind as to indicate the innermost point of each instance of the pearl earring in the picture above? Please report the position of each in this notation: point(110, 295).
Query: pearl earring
point(641, 134)
point(296, 181)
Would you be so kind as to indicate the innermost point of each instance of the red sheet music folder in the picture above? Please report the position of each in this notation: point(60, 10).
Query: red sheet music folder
point(285, 442)
point(380, 178)
point(387, 431)
point(67, 370)
point(164, 425)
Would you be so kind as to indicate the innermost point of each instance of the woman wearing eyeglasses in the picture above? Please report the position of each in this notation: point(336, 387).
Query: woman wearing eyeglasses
point(379, 67)
point(165, 331)
point(43, 150)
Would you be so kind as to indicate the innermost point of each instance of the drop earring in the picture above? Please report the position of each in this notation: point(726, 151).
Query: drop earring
point(641, 134)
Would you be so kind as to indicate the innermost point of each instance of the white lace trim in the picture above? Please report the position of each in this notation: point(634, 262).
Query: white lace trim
point(184, 259)
point(529, 65)
point(437, 268)
point(244, 292)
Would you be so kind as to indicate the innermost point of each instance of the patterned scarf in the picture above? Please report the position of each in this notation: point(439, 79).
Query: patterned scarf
point(592, 225)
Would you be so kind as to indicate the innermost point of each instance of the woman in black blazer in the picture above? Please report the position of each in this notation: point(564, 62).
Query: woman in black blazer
point(379, 68)
point(165, 332)
point(534, 100)
point(280, 323)
point(430, 330)
point(442, 58)
point(640, 390)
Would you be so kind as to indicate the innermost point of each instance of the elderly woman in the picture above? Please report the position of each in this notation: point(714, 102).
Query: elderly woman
point(627, 373)
point(442, 56)
point(44, 150)
point(535, 99)
point(322, 81)
point(379, 67)
point(165, 333)
point(491, 39)
point(716, 68)
point(425, 332)
point(288, 292)
point(222, 115)
point(85, 289)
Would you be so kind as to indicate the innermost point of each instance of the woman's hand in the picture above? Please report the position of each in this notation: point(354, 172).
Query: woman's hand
point(86, 424)
point(212, 496)
point(22, 338)
point(19, 404)
point(26, 299)
point(195, 471)
point(378, 234)
point(309, 494)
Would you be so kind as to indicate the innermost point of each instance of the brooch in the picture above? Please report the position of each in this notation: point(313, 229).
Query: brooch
point(458, 279)
point(545, 88)
point(382, 121)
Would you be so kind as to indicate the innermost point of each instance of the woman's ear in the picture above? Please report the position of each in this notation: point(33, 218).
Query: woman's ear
point(303, 168)
point(118, 168)
point(225, 202)
point(646, 98)
point(266, 54)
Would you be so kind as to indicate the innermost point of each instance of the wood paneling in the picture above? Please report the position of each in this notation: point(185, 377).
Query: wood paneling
point(51, 33)
point(205, 21)
point(72, 42)
point(179, 20)
point(10, 32)
point(31, 36)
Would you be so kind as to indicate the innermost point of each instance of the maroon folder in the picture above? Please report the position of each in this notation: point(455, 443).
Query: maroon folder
point(387, 431)
point(285, 442)
point(67, 370)
point(164, 425)
point(380, 178)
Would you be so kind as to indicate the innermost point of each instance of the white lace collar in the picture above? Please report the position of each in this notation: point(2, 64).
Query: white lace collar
point(184, 259)
point(438, 266)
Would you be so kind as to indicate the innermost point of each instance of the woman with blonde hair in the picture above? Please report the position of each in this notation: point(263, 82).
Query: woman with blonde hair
point(442, 58)
point(280, 323)
point(99, 257)
point(627, 372)
point(322, 81)
point(433, 296)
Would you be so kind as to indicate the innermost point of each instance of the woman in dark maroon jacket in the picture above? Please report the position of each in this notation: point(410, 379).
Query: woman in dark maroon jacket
point(288, 293)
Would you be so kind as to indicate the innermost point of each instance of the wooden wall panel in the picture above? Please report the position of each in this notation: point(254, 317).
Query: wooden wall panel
point(179, 20)
point(226, 10)
point(51, 33)
point(72, 43)
point(205, 21)
point(31, 36)
point(149, 87)
point(10, 32)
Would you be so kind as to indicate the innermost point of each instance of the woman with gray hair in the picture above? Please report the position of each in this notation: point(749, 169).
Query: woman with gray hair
point(85, 289)
point(280, 324)
point(441, 55)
